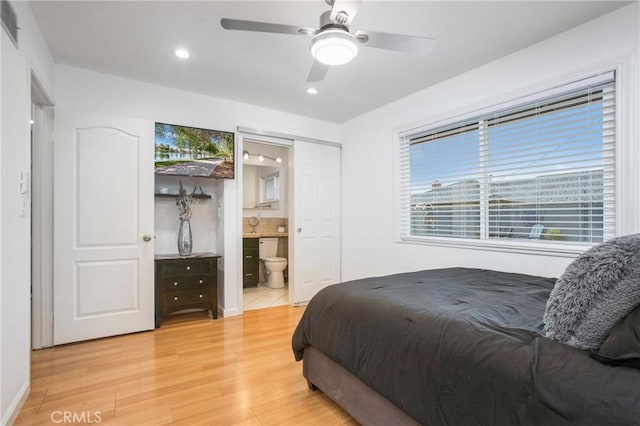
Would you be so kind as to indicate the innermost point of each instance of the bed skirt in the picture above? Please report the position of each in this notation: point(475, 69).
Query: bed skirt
point(366, 406)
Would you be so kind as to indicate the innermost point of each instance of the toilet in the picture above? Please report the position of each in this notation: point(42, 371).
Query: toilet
point(273, 265)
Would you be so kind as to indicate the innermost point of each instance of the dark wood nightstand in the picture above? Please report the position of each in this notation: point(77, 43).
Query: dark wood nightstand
point(186, 283)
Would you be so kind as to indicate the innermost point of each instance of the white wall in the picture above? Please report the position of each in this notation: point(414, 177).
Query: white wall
point(205, 218)
point(368, 184)
point(15, 223)
point(91, 91)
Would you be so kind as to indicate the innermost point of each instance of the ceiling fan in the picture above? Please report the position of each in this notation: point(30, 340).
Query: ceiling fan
point(333, 43)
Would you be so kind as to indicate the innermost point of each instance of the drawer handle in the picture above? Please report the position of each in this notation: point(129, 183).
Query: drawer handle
point(188, 268)
point(248, 257)
point(248, 275)
point(175, 283)
point(175, 298)
point(199, 281)
point(201, 296)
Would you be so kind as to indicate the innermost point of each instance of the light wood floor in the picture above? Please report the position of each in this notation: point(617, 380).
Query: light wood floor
point(193, 370)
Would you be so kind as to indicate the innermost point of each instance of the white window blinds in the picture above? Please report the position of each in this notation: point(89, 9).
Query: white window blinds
point(539, 168)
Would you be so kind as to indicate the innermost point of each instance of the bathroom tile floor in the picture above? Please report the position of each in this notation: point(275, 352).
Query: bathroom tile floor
point(264, 297)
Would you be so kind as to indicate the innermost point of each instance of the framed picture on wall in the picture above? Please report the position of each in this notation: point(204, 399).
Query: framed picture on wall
point(192, 151)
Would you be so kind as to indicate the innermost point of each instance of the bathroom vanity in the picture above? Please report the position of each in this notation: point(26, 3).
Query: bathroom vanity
point(251, 268)
point(250, 262)
point(186, 283)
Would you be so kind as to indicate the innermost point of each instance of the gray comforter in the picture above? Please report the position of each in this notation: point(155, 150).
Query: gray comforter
point(465, 347)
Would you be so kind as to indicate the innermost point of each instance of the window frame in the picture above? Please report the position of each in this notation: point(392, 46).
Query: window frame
point(624, 122)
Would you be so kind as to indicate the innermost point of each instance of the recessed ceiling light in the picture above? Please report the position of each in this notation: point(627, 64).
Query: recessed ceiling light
point(312, 90)
point(182, 53)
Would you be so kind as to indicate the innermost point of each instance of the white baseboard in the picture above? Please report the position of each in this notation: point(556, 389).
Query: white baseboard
point(230, 312)
point(13, 409)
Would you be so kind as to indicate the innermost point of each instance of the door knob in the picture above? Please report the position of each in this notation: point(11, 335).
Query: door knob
point(146, 237)
point(299, 230)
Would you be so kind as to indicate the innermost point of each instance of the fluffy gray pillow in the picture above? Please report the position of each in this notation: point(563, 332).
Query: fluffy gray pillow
point(598, 289)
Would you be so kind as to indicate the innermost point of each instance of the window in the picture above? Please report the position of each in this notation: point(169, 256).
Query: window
point(541, 168)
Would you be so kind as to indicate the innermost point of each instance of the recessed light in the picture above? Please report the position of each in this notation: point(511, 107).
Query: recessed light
point(312, 91)
point(182, 53)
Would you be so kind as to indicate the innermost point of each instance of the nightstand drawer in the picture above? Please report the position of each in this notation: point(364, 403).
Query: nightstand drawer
point(185, 283)
point(181, 298)
point(183, 268)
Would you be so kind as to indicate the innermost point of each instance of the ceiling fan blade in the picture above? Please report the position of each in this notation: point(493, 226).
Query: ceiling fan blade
point(317, 73)
point(398, 42)
point(348, 7)
point(264, 27)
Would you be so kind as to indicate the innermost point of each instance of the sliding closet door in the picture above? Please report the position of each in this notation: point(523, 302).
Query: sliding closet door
point(103, 226)
point(316, 219)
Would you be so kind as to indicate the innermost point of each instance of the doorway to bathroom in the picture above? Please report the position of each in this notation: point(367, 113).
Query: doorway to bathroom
point(265, 224)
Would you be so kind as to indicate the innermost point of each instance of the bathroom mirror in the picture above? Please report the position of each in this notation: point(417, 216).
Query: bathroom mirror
point(261, 187)
point(269, 186)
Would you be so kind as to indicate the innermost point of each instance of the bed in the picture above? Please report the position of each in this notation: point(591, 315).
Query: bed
point(455, 346)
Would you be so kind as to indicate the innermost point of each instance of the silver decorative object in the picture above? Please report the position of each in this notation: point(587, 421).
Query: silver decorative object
point(185, 243)
point(184, 201)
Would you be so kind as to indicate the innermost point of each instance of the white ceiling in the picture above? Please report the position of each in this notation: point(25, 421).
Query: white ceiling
point(136, 39)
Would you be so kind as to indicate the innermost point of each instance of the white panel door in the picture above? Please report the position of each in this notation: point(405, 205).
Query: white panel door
point(316, 219)
point(103, 226)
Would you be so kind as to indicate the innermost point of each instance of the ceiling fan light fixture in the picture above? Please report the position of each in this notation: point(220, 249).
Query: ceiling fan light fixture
point(182, 53)
point(334, 47)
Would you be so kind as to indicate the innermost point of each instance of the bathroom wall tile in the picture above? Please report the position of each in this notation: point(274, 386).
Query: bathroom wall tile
point(266, 225)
